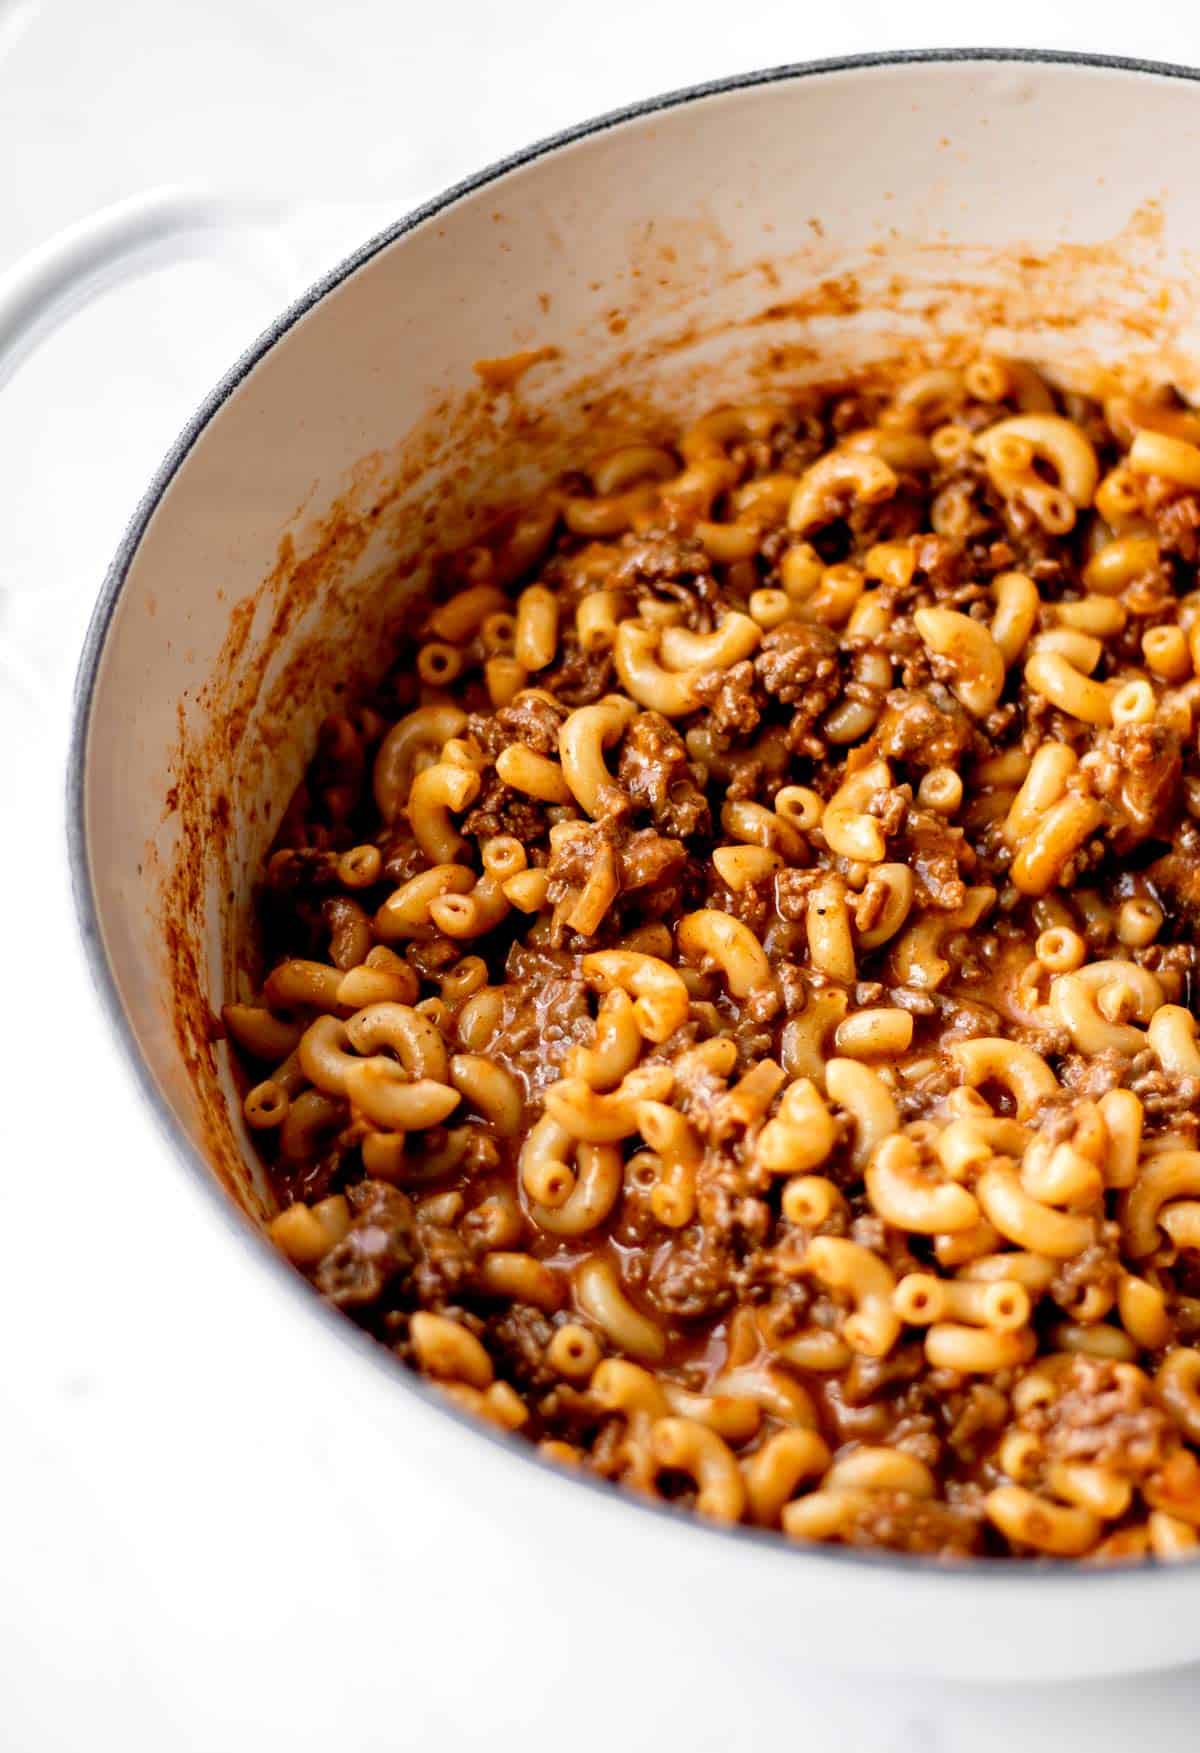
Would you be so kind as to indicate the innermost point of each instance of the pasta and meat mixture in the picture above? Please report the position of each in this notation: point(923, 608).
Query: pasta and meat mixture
point(730, 1000)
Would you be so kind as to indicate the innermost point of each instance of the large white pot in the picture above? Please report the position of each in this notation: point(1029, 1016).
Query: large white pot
point(767, 229)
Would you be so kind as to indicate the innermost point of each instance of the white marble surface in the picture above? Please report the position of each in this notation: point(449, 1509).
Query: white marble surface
point(185, 1562)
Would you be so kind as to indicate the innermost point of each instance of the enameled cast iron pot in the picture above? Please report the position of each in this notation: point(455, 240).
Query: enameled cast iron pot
point(712, 243)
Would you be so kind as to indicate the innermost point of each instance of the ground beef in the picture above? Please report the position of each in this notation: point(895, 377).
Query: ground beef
point(645, 858)
point(749, 779)
point(445, 1264)
point(431, 958)
point(800, 663)
point(923, 730)
point(501, 810)
point(889, 520)
point(1167, 1096)
point(973, 1420)
point(1138, 770)
point(734, 708)
point(581, 678)
point(1177, 873)
point(793, 448)
point(698, 1090)
point(941, 859)
point(654, 772)
point(1031, 543)
point(1089, 1078)
point(1102, 1413)
point(642, 857)
point(890, 806)
point(574, 857)
point(793, 982)
point(1097, 1268)
point(752, 904)
point(903, 1523)
point(692, 1275)
point(402, 857)
point(295, 870)
point(532, 719)
point(939, 564)
point(545, 1012)
point(961, 505)
point(666, 563)
point(792, 889)
point(869, 1377)
point(1178, 525)
point(517, 1340)
point(661, 558)
point(379, 1247)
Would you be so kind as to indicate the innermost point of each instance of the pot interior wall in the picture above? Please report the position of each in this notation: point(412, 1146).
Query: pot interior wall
point(741, 244)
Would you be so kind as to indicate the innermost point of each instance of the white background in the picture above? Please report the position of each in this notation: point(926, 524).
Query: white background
point(186, 1553)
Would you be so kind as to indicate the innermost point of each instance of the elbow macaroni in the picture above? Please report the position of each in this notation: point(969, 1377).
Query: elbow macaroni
point(730, 1002)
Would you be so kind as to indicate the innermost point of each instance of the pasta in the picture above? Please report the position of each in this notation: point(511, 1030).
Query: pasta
point(727, 1010)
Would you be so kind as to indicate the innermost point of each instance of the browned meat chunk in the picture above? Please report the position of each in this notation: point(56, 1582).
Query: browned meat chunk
point(923, 730)
point(797, 662)
point(1138, 770)
point(903, 1523)
point(655, 774)
point(1179, 527)
point(692, 1276)
point(733, 709)
point(1101, 1413)
point(379, 1247)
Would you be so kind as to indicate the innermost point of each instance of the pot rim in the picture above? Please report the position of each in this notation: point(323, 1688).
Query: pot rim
point(376, 1356)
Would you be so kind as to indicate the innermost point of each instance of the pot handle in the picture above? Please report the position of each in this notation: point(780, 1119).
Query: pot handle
point(45, 287)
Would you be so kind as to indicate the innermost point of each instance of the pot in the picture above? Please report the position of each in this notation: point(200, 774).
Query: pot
point(762, 231)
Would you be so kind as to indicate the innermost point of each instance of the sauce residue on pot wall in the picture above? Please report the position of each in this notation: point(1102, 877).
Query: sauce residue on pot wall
point(506, 372)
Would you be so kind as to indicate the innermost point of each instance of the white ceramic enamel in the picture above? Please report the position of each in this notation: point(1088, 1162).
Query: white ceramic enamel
point(1044, 206)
